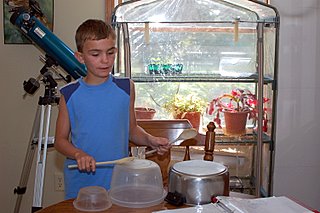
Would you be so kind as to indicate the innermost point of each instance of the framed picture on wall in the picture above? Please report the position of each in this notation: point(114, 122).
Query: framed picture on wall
point(12, 34)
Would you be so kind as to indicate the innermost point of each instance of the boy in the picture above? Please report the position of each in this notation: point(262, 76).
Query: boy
point(97, 111)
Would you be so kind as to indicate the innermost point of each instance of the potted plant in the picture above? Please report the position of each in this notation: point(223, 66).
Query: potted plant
point(241, 103)
point(186, 107)
point(144, 112)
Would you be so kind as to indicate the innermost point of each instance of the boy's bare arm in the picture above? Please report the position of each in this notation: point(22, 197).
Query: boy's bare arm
point(62, 143)
point(139, 136)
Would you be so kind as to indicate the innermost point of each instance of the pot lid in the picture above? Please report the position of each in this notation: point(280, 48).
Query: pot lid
point(199, 167)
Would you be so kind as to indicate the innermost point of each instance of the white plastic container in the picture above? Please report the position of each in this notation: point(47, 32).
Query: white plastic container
point(137, 184)
point(92, 199)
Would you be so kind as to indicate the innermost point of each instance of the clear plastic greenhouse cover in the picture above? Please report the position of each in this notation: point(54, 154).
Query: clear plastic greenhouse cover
point(193, 11)
point(192, 40)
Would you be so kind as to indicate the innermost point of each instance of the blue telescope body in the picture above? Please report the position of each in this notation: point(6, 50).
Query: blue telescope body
point(49, 43)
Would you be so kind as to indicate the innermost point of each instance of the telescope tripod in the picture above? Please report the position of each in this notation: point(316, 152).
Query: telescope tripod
point(40, 141)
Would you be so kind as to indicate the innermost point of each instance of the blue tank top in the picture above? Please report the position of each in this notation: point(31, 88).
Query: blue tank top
point(99, 119)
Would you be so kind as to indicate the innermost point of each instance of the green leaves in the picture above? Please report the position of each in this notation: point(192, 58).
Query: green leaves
point(190, 103)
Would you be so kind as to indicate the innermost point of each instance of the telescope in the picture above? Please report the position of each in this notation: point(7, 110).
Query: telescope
point(55, 49)
point(56, 54)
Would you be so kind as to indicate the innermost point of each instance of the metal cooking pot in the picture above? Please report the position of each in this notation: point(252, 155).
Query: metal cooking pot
point(198, 180)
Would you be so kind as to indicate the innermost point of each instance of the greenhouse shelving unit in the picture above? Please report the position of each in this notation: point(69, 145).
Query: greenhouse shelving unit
point(206, 46)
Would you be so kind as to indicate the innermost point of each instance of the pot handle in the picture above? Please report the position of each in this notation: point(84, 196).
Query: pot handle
point(175, 198)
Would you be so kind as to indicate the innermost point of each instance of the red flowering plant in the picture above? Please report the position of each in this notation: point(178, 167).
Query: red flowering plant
point(239, 100)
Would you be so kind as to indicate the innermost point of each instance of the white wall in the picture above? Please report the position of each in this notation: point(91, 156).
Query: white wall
point(297, 161)
point(19, 63)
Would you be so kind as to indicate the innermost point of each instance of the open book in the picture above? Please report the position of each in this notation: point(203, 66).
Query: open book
point(240, 205)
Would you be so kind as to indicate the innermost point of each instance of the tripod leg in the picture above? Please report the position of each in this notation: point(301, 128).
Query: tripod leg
point(41, 157)
point(22, 187)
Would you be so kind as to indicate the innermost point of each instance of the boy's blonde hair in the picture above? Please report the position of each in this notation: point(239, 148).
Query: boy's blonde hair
point(93, 29)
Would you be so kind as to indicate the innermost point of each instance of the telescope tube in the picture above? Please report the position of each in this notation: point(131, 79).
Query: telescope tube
point(48, 42)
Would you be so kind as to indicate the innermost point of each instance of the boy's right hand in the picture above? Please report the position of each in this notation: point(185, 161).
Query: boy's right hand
point(85, 162)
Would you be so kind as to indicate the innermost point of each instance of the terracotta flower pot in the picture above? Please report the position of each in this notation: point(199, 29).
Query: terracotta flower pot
point(144, 112)
point(235, 122)
point(193, 117)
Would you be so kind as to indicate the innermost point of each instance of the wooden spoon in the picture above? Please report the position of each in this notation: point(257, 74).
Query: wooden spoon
point(185, 134)
point(119, 161)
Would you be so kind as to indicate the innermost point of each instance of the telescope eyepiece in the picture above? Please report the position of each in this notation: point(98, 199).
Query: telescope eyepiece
point(26, 16)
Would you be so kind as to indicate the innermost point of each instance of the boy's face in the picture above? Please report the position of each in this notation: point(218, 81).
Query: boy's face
point(98, 56)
